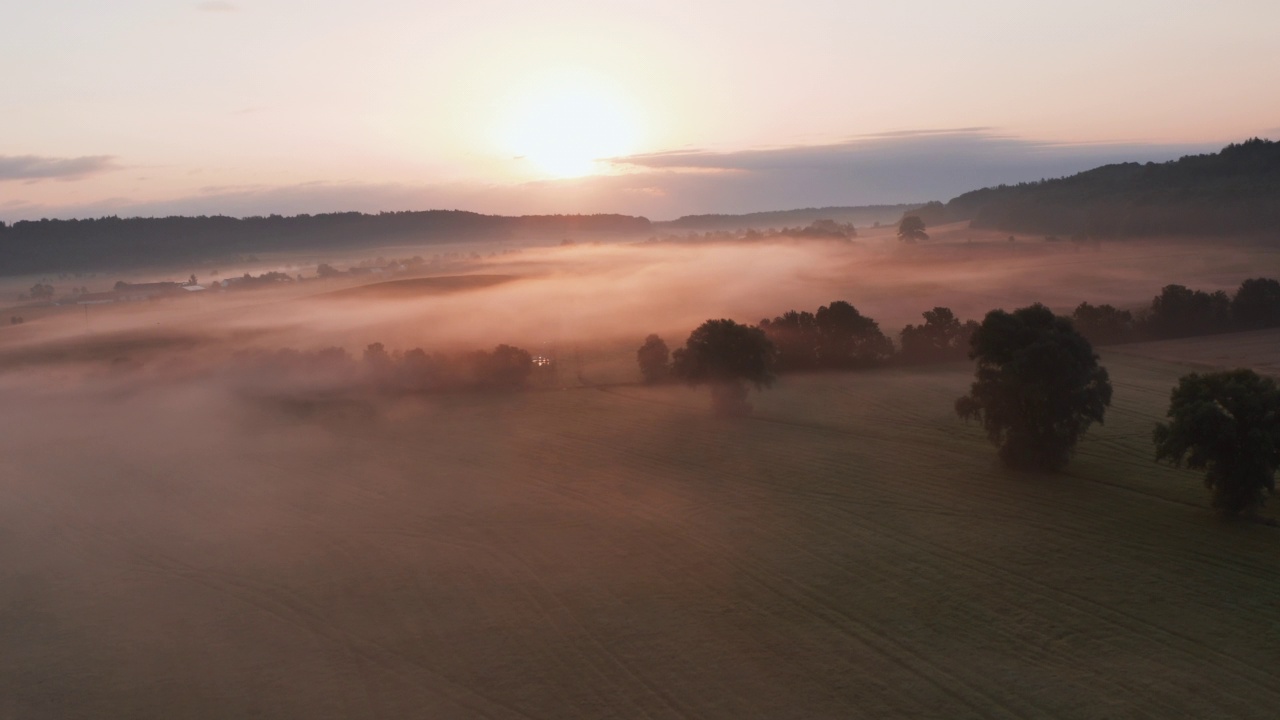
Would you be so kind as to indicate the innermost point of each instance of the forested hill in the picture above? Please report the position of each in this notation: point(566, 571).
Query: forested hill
point(110, 242)
point(1235, 191)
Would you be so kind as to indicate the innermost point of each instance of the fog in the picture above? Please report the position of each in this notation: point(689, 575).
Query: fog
point(180, 534)
point(586, 295)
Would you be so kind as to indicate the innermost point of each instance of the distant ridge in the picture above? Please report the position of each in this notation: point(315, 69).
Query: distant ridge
point(1235, 191)
point(857, 215)
point(111, 242)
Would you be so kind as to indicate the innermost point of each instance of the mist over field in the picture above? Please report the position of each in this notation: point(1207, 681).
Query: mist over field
point(588, 294)
point(186, 533)
point(647, 361)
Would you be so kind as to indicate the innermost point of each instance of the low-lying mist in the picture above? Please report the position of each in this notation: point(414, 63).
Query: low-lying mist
point(589, 294)
point(213, 502)
point(587, 307)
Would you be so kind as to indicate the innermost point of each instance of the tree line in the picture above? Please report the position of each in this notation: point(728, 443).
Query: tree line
point(504, 368)
point(37, 246)
point(1179, 312)
point(1038, 384)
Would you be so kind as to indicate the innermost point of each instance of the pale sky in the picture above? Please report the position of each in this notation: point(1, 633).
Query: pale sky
point(662, 108)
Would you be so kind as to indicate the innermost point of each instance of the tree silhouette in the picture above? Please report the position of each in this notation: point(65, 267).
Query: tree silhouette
point(1038, 386)
point(941, 337)
point(655, 359)
point(1103, 324)
point(1227, 424)
point(1256, 304)
point(727, 356)
point(847, 338)
point(1181, 312)
point(795, 335)
point(505, 368)
point(911, 229)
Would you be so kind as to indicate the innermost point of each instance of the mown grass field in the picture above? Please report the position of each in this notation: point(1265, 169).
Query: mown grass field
point(851, 550)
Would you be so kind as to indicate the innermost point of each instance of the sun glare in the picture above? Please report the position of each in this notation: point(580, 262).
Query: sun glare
point(564, 131)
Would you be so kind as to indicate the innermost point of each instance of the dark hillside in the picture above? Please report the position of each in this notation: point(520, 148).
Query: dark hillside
point(1235, 191)
point(112, 242)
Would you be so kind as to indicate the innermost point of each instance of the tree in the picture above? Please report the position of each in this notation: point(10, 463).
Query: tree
point(1103, 324)
point(655, 359)
point(941, 337)
point(1179, 311)
point(41, 291)
point(1227, 424)
point(1256, 304)
point(727, 356)
point(795, 335)
point(911, 229)
point(378, 365)
point(1038, 386)
point(847, 338)
point(505, 368)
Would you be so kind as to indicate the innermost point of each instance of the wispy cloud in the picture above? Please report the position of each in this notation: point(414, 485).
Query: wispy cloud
point(885, 168)
point(216, 6)
point(34, 167)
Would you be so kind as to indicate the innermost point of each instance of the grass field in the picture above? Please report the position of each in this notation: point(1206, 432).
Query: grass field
point(851, 550)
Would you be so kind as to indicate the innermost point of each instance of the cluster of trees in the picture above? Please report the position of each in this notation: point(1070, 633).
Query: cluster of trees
point(723, 354)
point(505, 368)
point(39, 292)
point(253, 282)
point(1179, 311)
point(821, 229)
point(380, 264)
point(51, 245)
point(836, 337)
point(857, 215)
point(1038, 388)
point(729, 356)
point(1229, 192)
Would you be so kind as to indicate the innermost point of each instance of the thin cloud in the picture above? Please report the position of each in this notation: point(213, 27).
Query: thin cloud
point(35, 168)
point(886, 169)
point(216, 6)
point(977, 146)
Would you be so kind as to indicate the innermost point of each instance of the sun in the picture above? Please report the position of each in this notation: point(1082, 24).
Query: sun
point(566, 129)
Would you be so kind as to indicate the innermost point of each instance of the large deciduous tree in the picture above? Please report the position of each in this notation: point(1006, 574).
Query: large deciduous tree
point(1256, 304)
point(727, 356)
point(911, 229)
point(1227, 424)
point(847, 338)
point(1038, 386)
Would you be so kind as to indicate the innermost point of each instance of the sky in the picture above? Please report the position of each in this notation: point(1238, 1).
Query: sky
point(659, 108)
